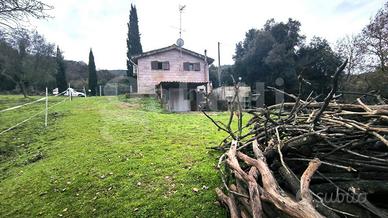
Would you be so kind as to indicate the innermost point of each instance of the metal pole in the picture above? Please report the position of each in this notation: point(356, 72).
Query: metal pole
point(180, 19)
point(100, 90)
point(68, 92)
point(45, 118)
point(180, 22)
point(219, 66)
point(84, 91)
point(116, 89)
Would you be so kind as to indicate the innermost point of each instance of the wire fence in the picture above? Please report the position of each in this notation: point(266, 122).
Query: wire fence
point(45, 110)
point(20, 106)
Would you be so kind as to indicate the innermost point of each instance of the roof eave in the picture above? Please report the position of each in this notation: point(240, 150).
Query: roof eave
point(168, 48)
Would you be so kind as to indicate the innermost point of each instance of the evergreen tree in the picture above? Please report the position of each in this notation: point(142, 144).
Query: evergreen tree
point(133, 40)
point(317, 63)
point(92, 74)
point(61, 69)
point(268, 54)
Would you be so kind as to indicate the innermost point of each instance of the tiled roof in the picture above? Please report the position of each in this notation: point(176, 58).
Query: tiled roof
point(168, 48)
point(176, 81)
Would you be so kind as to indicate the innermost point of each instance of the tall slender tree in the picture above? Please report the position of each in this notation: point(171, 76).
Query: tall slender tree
point(61, 71)
point(92, 74)
point(133, 40)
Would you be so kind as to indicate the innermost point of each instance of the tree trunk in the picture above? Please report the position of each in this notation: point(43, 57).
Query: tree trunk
point(22, 87)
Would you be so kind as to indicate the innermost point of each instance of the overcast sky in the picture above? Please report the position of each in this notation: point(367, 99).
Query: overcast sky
point(79, 25)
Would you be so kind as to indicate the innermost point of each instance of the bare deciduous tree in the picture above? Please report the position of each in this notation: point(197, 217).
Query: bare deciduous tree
point(375, 38)
point(13, 12)
point(349, 48)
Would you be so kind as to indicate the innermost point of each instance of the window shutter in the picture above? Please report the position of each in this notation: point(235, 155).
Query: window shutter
point(197, 66)
point(154, 65)
point(186, 66)
point(166, 65)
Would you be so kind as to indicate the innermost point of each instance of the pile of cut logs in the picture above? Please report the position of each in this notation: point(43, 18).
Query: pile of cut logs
point(305, 158)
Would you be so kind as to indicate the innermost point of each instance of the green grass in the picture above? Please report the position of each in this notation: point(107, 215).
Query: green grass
point(109, 158)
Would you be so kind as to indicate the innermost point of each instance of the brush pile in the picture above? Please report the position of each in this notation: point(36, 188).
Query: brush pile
point(306, 158)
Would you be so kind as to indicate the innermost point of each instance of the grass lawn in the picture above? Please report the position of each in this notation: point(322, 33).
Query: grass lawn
point(107, 157)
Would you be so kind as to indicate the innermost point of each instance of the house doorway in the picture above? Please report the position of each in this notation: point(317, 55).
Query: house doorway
point(179, 96)
point(193, 100)
point(178, 102)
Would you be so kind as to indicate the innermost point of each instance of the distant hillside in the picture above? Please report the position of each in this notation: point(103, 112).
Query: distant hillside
point(118, 72)
point(77, 74)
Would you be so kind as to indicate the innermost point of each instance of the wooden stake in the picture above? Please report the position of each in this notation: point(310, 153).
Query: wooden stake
point(219, 66)
point(46, 113)
point(84, 91)
point(69, 93)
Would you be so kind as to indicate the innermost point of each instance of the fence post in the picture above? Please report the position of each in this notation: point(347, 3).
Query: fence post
point(84, 91)
point(100, 90)
point(45, 118)
point(69, 93)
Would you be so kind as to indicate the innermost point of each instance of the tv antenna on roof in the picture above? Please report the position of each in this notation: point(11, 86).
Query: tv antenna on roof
point(180, 41)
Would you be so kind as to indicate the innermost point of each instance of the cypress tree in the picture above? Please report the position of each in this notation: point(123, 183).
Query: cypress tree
point(92, 74)
point(61, 71)
point(133, 40)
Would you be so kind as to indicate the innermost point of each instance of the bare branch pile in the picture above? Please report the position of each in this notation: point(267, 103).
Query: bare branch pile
point(306, 159)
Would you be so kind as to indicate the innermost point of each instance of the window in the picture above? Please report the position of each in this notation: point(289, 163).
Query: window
point(160, 65)
point(187, 66)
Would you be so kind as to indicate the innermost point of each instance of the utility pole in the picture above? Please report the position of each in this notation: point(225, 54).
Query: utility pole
point(219, 66)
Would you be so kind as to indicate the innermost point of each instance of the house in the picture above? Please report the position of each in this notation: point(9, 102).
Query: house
point(174, 74)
